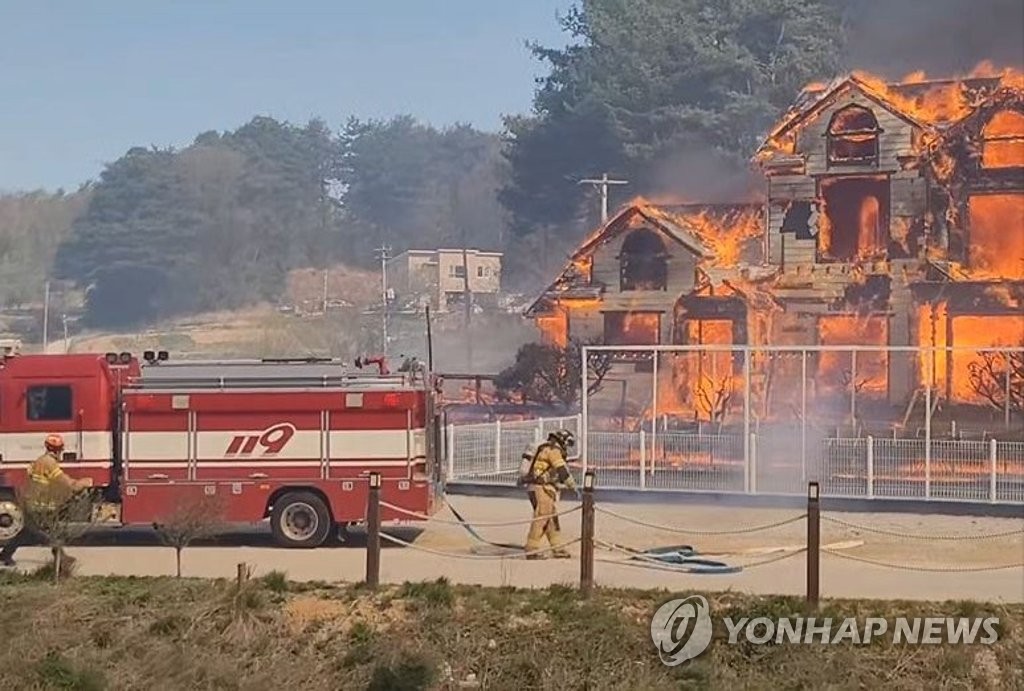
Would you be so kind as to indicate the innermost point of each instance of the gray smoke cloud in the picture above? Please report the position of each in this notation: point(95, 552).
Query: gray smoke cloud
point(941, 37)
point(702, 174)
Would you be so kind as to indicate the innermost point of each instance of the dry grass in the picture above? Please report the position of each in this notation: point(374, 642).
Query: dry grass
point(118, 633)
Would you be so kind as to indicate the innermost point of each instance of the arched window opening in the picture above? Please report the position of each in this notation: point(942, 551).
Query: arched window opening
point(1002, 143)
point(853, 137)
point(643, 263)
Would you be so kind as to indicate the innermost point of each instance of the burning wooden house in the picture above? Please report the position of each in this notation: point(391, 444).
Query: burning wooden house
point(894, 217)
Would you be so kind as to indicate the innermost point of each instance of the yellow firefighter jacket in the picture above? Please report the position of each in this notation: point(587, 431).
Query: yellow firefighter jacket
point(48, 482)
point(549, 467)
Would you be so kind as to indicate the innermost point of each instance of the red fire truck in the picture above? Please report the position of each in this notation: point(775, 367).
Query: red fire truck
point(292, 441)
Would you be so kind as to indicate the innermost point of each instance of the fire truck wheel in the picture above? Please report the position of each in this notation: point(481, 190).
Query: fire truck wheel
point(300, 519)
point(12, 520)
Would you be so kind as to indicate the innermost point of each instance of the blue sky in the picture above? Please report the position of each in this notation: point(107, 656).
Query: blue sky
point(84, 80)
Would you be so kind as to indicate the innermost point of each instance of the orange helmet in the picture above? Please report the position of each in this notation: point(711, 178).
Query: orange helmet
point(54, 442)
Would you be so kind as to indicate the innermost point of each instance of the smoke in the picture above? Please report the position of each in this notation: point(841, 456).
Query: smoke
point(488, 346)
point(698, 173)
point(941, 37)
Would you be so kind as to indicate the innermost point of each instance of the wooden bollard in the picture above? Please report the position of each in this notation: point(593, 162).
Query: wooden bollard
point(373, 532)
point(813, 545)
point(587, 535)
point(242, 573)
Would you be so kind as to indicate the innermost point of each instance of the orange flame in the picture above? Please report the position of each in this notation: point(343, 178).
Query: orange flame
point(838, 369)
point(997, 235)
point(554, 329)
point(726, 235)
point(1003, 145)
point(949, 371)
point(929, 102)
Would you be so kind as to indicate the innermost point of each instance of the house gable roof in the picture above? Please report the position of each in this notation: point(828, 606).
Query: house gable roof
point(906, 100)
point(625, 220)
point(811, 102)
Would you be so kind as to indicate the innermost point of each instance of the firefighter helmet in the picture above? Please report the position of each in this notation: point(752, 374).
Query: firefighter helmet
point(563, 438)
point(54, 443)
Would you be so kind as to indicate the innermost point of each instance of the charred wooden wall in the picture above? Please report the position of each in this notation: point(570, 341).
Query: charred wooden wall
point(908, 192)
point(680, 278)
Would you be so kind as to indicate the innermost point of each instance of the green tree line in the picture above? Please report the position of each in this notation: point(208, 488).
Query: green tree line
point(219, 223)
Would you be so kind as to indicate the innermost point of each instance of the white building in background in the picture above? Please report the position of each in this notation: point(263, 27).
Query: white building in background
point(440, 276)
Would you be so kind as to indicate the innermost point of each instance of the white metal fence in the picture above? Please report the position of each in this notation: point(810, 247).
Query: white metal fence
point(865, 467)
point(491, 452)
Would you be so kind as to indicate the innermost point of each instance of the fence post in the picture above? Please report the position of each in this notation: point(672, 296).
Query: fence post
point(242, 573)
point(584, 402)
point(643, 459)
point(450, 450)
point(752, 488)
point(928, 442)
point(803, 416)
point(746, 415)
point(992, 456)
point(813, 545)
point(373, 532)
point(497, 446)
point(654, 413)
point(871, 467)
point(587, 536)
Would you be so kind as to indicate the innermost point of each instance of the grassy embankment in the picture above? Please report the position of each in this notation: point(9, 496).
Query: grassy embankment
point(112, 633)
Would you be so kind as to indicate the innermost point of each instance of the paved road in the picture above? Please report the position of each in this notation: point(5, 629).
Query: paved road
point(138, 553)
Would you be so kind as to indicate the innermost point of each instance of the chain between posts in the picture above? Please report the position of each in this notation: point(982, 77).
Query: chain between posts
point(476, 557)
point(588, 510)
point(688, 531)
point(918, 536)
point(476, 524)
point(925, 569)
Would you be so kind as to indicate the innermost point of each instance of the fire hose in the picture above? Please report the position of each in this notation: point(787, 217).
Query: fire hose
point(682, 558)
point(472, 531)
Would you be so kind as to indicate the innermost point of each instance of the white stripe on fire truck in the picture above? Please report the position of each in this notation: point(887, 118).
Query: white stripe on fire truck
point(27, 446)
point(257, 464)
point(344, 445)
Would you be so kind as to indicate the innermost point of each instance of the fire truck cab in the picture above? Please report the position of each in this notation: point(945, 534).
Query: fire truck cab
point(292, 441)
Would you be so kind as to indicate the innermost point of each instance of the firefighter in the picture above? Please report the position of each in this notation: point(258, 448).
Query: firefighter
point(545, 474)
point(44, 473)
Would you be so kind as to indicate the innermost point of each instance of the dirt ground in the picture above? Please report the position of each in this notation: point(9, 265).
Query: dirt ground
point(453, 553)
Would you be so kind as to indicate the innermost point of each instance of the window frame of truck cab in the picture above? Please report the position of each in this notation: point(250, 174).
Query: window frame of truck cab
point(46, 414)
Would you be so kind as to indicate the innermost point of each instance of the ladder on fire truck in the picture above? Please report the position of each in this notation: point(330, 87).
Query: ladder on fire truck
point(267, 374)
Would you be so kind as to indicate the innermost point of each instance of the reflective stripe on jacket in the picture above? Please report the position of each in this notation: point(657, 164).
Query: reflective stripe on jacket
point(45, 469)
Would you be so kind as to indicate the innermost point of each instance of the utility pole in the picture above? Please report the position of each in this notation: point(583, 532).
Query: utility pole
point(383, 250)
point(467, 299)
point(603, 183)
point(67, 344)
point(46, 315)
point(325, 292)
